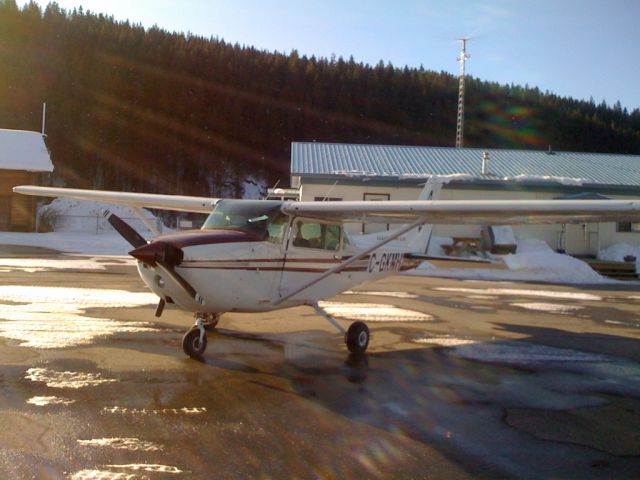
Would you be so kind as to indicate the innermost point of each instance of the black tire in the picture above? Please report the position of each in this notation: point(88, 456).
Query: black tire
point(191, 343)
point(357, 337)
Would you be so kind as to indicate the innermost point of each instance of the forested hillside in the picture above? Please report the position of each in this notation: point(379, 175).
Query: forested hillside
point(149, 110)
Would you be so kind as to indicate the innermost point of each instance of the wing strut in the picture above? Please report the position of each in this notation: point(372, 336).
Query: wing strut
point(353, 259)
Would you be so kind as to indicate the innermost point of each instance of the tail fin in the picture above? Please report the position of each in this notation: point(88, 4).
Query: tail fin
point(418, 240)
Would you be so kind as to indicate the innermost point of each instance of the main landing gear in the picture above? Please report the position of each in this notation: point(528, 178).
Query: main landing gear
point(194, 342)
point(356, 337)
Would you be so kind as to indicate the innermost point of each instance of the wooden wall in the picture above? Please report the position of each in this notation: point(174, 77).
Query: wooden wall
point(17, 212)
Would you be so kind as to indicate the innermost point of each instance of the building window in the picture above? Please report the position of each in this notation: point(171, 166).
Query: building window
point(628, 227)
point(327, 199)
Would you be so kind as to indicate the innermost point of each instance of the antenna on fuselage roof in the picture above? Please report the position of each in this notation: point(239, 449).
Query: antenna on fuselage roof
point(329, 191)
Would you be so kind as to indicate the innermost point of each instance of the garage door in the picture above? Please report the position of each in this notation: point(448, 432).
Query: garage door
point(5, 213)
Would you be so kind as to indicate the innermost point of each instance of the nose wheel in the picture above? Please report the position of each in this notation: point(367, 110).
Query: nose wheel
point(194, 342)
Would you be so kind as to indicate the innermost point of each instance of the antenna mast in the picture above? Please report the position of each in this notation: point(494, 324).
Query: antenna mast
point(464, 56)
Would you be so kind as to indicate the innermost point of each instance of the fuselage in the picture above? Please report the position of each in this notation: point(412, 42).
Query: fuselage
point(236, 270)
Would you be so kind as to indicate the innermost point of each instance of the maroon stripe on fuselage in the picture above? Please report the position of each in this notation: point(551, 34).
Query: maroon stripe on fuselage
point(277, 269)
point(208, 237)
point(271, 260)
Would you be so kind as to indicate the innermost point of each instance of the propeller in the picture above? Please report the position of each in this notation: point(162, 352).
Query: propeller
point(123, 228)
point(158, 254)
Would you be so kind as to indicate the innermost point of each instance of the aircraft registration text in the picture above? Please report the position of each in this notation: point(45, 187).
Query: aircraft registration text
point(387, 262)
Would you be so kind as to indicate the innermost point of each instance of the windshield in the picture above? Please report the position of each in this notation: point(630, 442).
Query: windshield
point(252, 215)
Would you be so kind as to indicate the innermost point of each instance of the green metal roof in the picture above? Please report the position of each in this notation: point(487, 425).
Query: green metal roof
point(392, 161)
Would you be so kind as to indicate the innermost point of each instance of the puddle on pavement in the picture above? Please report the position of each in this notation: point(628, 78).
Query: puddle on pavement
point(154, 411)
point(51, 317)
point(523, 292)
point(44, 401)
point(548, 307)
point(373, 312)
point(133, 444)
point(524, 353)
point(66, 379)
point(381, 293)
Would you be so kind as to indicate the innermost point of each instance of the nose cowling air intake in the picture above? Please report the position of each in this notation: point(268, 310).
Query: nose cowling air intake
point(158, 252)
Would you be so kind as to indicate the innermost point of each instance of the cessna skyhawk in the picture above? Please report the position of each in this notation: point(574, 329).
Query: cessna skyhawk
point(261, 255)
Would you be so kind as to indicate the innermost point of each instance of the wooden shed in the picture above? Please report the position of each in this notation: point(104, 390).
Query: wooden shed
point(24, 160)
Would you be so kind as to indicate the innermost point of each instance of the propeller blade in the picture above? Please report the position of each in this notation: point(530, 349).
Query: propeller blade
point(166, 257)
point(123, 228)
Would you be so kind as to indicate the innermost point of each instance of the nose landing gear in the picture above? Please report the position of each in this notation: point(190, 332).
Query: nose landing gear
point(194, 342)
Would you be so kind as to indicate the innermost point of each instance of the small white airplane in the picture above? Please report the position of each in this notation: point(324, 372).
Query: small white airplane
point(261, 255)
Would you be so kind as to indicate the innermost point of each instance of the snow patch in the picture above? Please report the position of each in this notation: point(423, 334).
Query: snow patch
point(88, 216)
point(373, 312)
point(51, 317)
point(444, 341)
point(381, 293)
point(524, 292)
point(534, 261)
point(548, 307)
point(24, 150)
point(71, 242)
point(155, 411)
point(44, 401)
point(133, 444)
point(547, 178)
point(66, 379)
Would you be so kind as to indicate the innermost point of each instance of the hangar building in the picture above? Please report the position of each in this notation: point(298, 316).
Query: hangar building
point(327, 171)
point(24, 159)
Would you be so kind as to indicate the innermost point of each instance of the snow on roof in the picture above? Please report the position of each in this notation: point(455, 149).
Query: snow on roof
point(23, 150)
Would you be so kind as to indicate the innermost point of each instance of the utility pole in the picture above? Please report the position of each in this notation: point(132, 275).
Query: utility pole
point(44, 116)
point(464, 56)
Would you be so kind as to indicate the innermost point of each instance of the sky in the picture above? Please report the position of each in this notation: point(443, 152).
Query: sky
point(573, 48)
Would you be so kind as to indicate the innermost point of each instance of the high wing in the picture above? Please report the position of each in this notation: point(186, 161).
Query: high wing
point(458, 212)
point(144, 200)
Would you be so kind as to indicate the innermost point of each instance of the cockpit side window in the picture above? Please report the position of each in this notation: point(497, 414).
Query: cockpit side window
point(277, 228)
point(317, 235)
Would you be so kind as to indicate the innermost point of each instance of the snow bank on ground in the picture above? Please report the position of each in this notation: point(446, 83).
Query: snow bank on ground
point(533, 261)
point(69, 215)
point(537, 257)
point(105, 244)
point(80, 227)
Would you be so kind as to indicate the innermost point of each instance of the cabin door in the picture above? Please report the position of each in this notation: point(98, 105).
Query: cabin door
point(311, 249)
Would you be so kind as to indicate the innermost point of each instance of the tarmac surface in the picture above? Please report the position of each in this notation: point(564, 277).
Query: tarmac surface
point(462, 379)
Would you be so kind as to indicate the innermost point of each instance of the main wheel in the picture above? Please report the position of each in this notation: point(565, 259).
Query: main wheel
point(192, 345)
point(357, 337)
